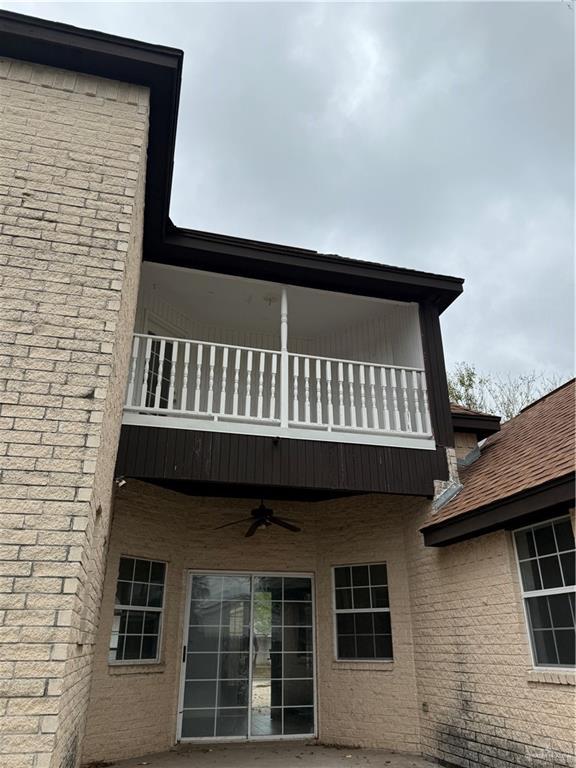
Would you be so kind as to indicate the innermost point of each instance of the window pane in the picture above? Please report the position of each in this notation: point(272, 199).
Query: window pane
point(151, 623)
point(545, 543)
point(544, 647)
point(378, 575)
point(346, 647)
point(361, 597)
point(157, 573)
point(134, 622)
point(345, 623)
point(204, 612)
point(201, 666)
point(530, 575)
point(380, 597)
point(297, 639)
point(126, 569)
point(149, 647)
point(560, 611)
point(550, 570)
point(297, 614)
point(539, 612)
point(203, 638)
point(206, 587)
point(231, 722)
point(234, 666)
point(525, 544)
point(566, 644)
point(360, 576)
point(342, 577)
point(139, 594)
point(365, 646)
point(132, 647)
point(298, 720)
point(297, 589)
point(564, 534)
point(382, 623)
point(383, 646)
point(364, 624)
point(233, 693)
point(343, 598)
point(568, 562)
point(298, 693)
point(270, 586)
point(198, 722)
point(236, 588)
point(123, 591)
point(201, 694)
point(155, 593)
point(297, 664)
point(142, 570)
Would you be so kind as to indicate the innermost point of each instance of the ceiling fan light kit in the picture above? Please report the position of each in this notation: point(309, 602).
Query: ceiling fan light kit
point(262, 517)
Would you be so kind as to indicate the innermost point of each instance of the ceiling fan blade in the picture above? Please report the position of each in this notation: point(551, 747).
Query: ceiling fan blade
point(234, 522)
point(284, 524)
point(253, 528)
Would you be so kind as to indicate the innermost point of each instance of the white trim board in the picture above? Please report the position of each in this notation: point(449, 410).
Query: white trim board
point(264, 430)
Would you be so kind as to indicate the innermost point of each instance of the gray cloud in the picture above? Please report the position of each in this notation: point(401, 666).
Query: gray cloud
point(438, 136)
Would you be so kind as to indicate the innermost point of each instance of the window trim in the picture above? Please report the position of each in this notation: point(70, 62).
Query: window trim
point(336, 611)
point(525, 594)
point(156, 609)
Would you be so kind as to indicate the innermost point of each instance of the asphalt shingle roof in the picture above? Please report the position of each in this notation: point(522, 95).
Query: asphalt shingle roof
point(533, 448)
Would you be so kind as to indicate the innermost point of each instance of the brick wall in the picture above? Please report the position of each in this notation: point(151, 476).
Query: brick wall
point(73, 152)
point(481, 702)
point(133, 709)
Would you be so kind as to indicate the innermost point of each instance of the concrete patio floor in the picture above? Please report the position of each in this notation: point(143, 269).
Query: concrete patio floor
point(274, 755)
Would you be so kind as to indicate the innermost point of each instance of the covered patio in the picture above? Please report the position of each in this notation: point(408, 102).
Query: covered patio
point(274, 755)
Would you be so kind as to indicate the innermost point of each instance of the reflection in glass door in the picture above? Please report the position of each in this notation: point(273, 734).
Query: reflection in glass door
point(248, 667)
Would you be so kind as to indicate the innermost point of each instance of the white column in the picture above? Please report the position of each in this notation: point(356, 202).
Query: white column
point(284, 394)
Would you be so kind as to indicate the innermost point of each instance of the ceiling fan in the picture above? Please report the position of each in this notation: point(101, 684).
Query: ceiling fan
point(262, 517)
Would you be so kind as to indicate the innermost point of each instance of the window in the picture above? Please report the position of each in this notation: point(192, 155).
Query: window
point(546, 560)
point(138, 610)
point(362, 612)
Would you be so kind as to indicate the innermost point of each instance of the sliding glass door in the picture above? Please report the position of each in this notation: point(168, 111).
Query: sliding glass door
point(248, 661)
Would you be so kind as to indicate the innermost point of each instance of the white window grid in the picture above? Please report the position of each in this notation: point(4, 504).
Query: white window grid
point(119, 608)
point(543, 592)
point(337, 611)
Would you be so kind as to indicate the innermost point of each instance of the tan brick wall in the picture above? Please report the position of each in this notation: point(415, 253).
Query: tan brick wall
point(480, 700)
point(133, 709)
point(73, 152)
point(464, 442)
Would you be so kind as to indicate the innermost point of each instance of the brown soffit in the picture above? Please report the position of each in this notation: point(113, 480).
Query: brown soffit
point(160, 69)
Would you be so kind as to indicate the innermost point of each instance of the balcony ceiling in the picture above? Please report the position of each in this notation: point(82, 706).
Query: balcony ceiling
point(254, 305)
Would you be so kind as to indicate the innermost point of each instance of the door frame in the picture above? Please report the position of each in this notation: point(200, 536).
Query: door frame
point(184, 647)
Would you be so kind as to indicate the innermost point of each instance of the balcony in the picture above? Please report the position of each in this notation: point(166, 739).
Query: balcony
point(329, 367)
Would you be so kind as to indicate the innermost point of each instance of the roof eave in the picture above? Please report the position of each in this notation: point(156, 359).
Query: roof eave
point(507, 512)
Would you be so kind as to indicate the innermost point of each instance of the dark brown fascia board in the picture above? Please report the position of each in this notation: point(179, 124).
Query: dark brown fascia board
point(501, 514)
point(299, 266)
point(160, 69)
point(482, 425)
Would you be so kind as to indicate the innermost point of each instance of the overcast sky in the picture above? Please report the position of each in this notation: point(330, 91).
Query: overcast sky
point(438, 136)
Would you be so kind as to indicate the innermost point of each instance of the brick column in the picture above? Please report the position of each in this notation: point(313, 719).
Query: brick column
point(73, 162)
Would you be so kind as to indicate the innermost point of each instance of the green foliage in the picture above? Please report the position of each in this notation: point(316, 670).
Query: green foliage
point(504, 395)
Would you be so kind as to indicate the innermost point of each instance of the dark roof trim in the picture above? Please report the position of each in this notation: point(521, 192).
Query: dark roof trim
point(297, 266)
point(504, 513)
point(482, 425)
point(156, 67)
point(160, 68)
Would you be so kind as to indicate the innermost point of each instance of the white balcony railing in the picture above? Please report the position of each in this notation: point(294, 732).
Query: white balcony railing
point(204, 385)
